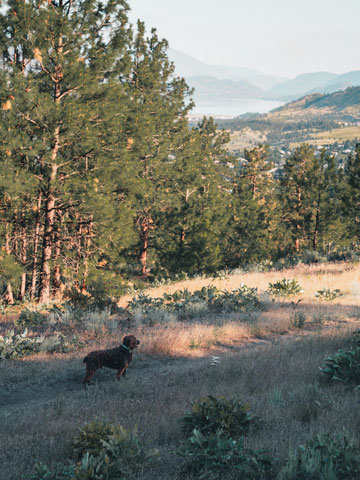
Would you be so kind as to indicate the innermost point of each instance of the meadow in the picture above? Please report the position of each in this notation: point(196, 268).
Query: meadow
point(267, 357)
point(330, 136)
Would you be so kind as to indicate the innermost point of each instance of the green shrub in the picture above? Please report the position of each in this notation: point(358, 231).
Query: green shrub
point(344, 366)
point(186, 304)
point(324, 458)
point(356, 337)
point(212, 415)
point(312, 256)
point(57, 471)
point(121, 456)
point(243, 299)
point(212, 457)
point(285, 288)
point(17, 346)
point(30, 318)
point(103, 451)
point(327, 294)
point(90, 438)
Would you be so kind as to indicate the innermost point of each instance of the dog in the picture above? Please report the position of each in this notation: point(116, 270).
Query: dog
point(117, 358)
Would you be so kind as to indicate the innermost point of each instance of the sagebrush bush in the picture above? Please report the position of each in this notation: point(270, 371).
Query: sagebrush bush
point(215, 456)
point(324, 458)
point(30, 318)
point(285, 288)
point(212, 415)
point(344, 366)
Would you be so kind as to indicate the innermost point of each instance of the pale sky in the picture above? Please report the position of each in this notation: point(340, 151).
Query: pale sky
point(279, 37)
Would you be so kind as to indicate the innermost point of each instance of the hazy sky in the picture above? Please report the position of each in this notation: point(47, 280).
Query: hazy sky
point(281, 37)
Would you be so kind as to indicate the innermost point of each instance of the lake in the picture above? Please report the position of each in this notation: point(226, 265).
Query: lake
point(233, 108)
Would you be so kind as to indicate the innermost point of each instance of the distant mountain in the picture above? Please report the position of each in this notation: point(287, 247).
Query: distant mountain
point(302, 84)
point(343, 105)
point(220, 83)
point(318, 82)
point(210, 88)
point(341, 82)
point(187, 66)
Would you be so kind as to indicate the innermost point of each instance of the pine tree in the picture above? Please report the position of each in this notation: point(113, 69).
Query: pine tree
point(252, 229)
point(308, 192)
point(61, 107)
point(192, 225)
point(154, 128)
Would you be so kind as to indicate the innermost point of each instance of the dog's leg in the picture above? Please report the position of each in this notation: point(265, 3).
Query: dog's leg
point(121, 372)
point(88, 376)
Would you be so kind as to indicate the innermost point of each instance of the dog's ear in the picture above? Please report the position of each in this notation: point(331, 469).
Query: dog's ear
point(127, 340)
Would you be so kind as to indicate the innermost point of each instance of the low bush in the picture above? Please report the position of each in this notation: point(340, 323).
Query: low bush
point(215, 456)
point(90, 438)
point(103, 451)
point(30, 318)
point(186, 304)
point(324, 458)
point(312, 256)
point(344, 366)
point(285, 288)
point(14, 346)
point(212, 415)
point(18, 345)
point(327, 294)
point(94, 299)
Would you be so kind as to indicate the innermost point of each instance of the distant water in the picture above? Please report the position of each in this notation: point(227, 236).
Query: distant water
point(233, 108)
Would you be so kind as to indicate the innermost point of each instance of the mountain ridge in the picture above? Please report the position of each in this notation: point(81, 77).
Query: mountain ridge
point(258, 84)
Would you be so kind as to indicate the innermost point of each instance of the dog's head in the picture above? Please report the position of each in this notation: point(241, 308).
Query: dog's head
point(130, 342)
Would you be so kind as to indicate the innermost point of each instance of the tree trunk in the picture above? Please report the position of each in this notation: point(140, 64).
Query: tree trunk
point(45, 278)
point(23, 255)
point(35, 249)
point(87, 255)
point(298, 226)
point(57, 250)
point(9, 296)
point(144, 236)
point(317, 221)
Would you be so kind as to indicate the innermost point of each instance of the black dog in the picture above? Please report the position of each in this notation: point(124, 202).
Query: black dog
point(117, 358)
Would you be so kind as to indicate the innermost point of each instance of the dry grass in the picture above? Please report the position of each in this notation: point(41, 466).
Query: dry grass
point(331, 136)
point(264, 360)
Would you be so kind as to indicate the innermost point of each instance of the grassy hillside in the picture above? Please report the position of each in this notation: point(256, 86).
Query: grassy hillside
point(331, 136)
point(298, 121)
point(268, 357)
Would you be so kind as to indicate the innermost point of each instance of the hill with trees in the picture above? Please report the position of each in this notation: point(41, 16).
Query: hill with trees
point(301, 119)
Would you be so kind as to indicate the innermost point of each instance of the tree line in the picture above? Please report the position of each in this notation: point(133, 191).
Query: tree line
point(102, 178)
